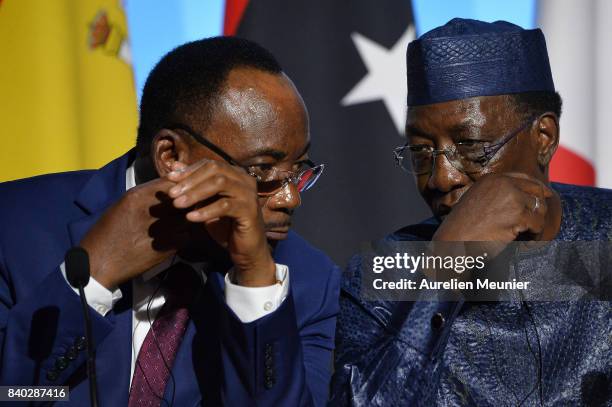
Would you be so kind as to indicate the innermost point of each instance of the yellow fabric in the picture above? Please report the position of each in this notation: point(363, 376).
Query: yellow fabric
point(67, 92)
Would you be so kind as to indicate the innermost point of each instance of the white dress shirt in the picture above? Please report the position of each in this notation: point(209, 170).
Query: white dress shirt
point(248, 303)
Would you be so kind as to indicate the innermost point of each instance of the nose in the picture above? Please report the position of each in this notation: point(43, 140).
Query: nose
point(444, 176)
point(288, 197)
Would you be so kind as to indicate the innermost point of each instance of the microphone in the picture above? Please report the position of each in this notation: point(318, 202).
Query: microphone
point(77, 273)
point(77, 267)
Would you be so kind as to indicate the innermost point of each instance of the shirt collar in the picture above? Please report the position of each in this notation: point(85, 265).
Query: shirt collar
point(130, 178)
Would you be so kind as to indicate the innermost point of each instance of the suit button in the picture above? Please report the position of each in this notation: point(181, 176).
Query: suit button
point(437, 321)
point(52, 375)
point(71, 353)
point(269, 383)
point(61, 363)
point(80, 343)
point(268, 359)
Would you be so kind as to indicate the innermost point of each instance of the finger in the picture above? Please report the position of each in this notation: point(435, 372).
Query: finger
point(180, 171)
point(536, 205)
point(533, 218)
point(531, 223)
point(158, 184)
point(221, 208)
point(212, 171)
point(164, 209)
point(218, 185)
point(179, 167)
point(152, 192)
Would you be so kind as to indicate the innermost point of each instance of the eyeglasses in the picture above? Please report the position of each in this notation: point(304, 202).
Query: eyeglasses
point(270, 179)
point(469, 157)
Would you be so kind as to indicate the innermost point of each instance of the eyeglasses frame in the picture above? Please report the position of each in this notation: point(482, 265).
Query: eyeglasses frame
point(488, 151)
point(228, 158)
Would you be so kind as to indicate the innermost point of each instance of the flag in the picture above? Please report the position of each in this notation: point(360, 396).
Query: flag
point(577, 36)
point(348, 60)
point(68, 99)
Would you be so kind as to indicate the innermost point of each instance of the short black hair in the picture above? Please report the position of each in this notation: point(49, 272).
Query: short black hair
point(530, 104)
point(189, 78)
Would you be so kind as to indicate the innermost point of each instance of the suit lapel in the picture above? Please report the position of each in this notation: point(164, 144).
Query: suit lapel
point(103, 189)
point(114, 354)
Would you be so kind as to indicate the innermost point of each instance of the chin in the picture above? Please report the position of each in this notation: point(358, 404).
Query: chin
point(272, 244)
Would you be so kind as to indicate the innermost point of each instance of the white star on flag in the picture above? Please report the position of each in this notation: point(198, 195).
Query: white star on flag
point(386, 77)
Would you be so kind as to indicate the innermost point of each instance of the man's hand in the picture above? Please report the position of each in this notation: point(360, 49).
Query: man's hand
point(498, 207)
point(224, 199)
point(139, 231)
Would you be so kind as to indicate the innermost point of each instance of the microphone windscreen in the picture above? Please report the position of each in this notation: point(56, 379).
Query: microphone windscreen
point(77, 267)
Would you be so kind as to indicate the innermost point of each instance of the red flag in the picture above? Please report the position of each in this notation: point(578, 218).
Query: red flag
point(577, 37)
point(234, 9)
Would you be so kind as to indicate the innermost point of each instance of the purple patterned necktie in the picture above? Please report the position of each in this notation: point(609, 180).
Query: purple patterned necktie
point(159, 348)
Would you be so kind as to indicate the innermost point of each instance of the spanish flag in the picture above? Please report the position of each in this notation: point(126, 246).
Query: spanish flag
point(67, 92)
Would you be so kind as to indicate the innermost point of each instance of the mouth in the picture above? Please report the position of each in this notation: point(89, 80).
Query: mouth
point(278, 232)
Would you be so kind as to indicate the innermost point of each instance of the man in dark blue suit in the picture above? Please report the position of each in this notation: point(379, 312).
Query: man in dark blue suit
point(199, 292)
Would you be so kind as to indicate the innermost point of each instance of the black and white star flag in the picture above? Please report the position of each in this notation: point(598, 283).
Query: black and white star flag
point(347, 58)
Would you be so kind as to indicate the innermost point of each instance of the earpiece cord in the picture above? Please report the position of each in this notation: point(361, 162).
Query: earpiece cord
point(535, 385)
point(497, 373)
point(539, 357)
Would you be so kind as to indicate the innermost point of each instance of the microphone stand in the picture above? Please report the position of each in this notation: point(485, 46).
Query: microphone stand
point(91, 352)
point(77, 272)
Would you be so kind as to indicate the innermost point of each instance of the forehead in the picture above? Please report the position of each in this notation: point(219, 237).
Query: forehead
point(258, 111)
point(476, 112)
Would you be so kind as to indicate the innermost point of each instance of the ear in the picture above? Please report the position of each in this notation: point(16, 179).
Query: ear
point(169, 150)
point(547, 137)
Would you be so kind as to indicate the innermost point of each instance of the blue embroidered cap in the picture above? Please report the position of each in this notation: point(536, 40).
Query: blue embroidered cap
point(466, 58)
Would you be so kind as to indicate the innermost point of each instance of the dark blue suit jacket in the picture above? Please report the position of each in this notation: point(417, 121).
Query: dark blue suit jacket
point(221, 361)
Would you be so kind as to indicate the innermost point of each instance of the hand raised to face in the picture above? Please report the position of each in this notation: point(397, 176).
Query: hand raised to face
point(140, 230)
point(223, 198)
point(151, 222)
point(499, 208)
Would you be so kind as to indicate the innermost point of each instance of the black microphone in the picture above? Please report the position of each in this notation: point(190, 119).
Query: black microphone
point(77, 273)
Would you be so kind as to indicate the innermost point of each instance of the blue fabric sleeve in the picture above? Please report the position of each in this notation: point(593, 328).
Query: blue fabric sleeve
point(38, 332)
point(274, 362)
